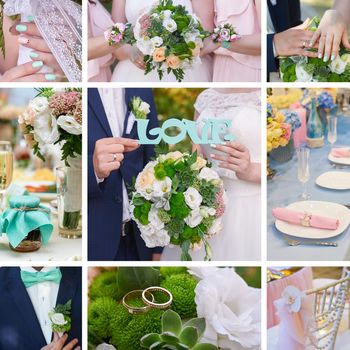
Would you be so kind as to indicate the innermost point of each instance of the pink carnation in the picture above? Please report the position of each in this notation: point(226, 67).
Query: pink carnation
point(287, 132)
point(220, 201)
point(145, 23)
point(65, 103)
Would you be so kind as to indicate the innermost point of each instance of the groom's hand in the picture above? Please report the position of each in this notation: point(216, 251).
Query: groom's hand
point(59, 343)
point(109, 154)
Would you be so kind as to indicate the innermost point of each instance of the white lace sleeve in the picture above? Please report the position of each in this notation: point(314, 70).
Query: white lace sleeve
point(16, 7)
point(202, 100)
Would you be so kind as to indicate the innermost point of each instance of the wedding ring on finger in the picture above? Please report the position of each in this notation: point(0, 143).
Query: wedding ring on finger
point(139, 295)
point(304, 44)
point(153, 304)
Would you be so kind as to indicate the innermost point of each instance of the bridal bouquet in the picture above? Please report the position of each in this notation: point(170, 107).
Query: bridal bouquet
point(306, 69)
point(231, 322)
point(178, 199)
point(170, 38)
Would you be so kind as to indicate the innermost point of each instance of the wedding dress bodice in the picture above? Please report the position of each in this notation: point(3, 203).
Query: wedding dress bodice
point(244, 109)
point(134, 9)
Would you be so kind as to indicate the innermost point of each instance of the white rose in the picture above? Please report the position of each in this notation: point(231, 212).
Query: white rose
point(145, 46)
point(58, 319)
point(231, 309)
point(170, 25)
point(167, 13)
point(200, 163)
point(145, 107)
point(39, 104)
point(144, 182)
point(171, 155)
point(45, 129)
point(157, 41)
point(208, 174)
point(194, 218)
point(193, 198)
point(161, 188)
point(338, 65)
point(69, 124)
point(302, 75)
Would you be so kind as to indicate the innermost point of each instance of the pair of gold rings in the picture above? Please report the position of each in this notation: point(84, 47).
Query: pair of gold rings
point(148, 300)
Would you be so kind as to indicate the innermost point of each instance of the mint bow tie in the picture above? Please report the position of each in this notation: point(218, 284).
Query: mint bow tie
point(31, 278)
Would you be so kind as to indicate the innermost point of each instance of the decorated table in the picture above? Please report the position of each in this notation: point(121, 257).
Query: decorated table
point(284, 189)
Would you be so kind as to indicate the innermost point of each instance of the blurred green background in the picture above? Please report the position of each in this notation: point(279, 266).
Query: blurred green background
point(311, 8)
point(252, 275)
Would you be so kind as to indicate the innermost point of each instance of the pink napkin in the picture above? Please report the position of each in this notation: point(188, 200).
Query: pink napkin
point(305, 219)
point(341, 152)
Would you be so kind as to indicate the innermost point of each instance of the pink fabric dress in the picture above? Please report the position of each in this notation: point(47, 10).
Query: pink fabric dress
point(230, 66)
point(99, 21)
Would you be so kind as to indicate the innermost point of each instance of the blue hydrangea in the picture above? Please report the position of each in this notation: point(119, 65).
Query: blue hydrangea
point(293, 119)
point(269, 110)
point(325, 100)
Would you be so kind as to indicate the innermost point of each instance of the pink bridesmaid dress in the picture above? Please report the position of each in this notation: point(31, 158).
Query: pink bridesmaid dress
point(231, 66)
point(99, 21)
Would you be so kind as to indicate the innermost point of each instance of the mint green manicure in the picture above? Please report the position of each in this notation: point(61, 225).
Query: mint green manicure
point(37, 64)
point(325, 58)
point(50, 77)
point(30, 18)
point(21, 28)
point(332, 57)
point(33, 54)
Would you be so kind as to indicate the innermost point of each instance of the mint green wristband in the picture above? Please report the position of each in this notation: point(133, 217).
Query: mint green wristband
point(226, 44)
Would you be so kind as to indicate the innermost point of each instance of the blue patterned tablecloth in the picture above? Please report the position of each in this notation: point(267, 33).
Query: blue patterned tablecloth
point(285, 189)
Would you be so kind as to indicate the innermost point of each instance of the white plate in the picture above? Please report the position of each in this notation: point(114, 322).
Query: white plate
point(343, 161)
point(332, 210)
point(335, 180)
point(44, 196)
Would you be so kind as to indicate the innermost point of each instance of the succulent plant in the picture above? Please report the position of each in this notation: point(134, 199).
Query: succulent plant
point(176, 336)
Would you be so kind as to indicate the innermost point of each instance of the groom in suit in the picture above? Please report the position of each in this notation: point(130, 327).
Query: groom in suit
point(114, 159)
point(27, 295)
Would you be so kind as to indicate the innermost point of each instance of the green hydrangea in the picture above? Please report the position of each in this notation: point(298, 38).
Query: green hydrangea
point(182, 287)
point(167, 271)
point(127, 329)
point(105, 285)
point(101, 314)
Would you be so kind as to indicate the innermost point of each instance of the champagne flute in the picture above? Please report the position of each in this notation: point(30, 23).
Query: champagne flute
point(6, 169)
point(303, 155)
point(332, 131)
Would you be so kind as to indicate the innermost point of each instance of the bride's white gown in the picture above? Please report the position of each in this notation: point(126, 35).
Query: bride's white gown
point(240, 237)
point(127, 71)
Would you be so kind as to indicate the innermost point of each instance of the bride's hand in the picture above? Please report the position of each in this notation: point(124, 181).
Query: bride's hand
point(238, 160)
point(331, 32)
point(209, 46)
point(31, 38)
point(128, 52)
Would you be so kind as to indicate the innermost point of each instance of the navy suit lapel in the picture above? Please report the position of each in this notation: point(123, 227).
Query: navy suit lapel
point(96, 105)
point(24, 305)
point(127, 98)
point(68, 286)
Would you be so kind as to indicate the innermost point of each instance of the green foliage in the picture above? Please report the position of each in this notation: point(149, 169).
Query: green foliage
point(105, 285)
point(167, 271)
point(178, 207)
point(141, 212)
point(182, 288)
point(176, 336)
point(71, 145)
point(252, 275)
point(208, 192)
point(164, 216)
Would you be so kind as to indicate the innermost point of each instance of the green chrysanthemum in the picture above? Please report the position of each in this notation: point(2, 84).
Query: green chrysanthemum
point(105, 285)
point(167, 271)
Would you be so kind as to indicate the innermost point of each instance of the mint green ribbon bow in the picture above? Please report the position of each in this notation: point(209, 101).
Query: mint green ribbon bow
point(31, 278)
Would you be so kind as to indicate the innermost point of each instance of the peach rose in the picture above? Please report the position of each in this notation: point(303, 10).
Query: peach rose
point(196, 51)
point(173, 62)
point(159, 54)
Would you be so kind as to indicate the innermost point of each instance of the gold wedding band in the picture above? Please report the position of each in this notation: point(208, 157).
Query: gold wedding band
point(151, 303)
point(135, 309)
point(304, 44)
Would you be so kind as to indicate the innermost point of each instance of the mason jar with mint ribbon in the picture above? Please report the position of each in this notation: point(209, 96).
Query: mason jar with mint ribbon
point(26, 223)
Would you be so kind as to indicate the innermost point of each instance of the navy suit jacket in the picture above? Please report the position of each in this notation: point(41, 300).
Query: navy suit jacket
point(105, 205)
point(19, 326)
point(284, 15)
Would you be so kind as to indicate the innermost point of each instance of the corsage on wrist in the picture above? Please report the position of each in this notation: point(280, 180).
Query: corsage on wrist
point(225, 34)
point(120, 33)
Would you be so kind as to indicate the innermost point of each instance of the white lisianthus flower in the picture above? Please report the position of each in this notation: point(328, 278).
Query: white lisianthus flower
point(194, 218)
point(145, 46)
point(231, 309)
point(58, 319)
point(39, 104)
point(338, 65)
point(193, 198)
point(45, 129)
point(206, 211)
point(157, 41)
point(69, 124)
point(144, 182)
point(208, 174)
point(302, 74)
point(161, 188)
point(199, 164)
point(145, 107)
point(170, 25)
point(171, 155)
point(192, 36)
point(167, 13)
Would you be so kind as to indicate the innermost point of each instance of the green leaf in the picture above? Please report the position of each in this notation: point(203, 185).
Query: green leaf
point(149, 339)
point(198, 323)
point(189, 336)
point(205, 346)
point(169, 338)
point(156, 346)
point(171, 322)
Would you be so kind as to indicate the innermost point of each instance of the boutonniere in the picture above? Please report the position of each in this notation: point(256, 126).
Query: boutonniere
point(140, 108)
point(60, 318)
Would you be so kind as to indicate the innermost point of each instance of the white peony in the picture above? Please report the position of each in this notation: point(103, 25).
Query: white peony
point(302, 74)
point(69, 124)
point(193, 198)
point(208, 174)
point(194, 218)
point(45, 128)
point(58, 319)
point(157, 41)
point(145, 107)
point(39, 104)
point(230, 307)
point(145, 46)
point(161, 188)
point(170, 25)
point(338, 65)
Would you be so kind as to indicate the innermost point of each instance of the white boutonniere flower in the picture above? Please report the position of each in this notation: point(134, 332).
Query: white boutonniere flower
point(60, 318)
point(140, 108)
